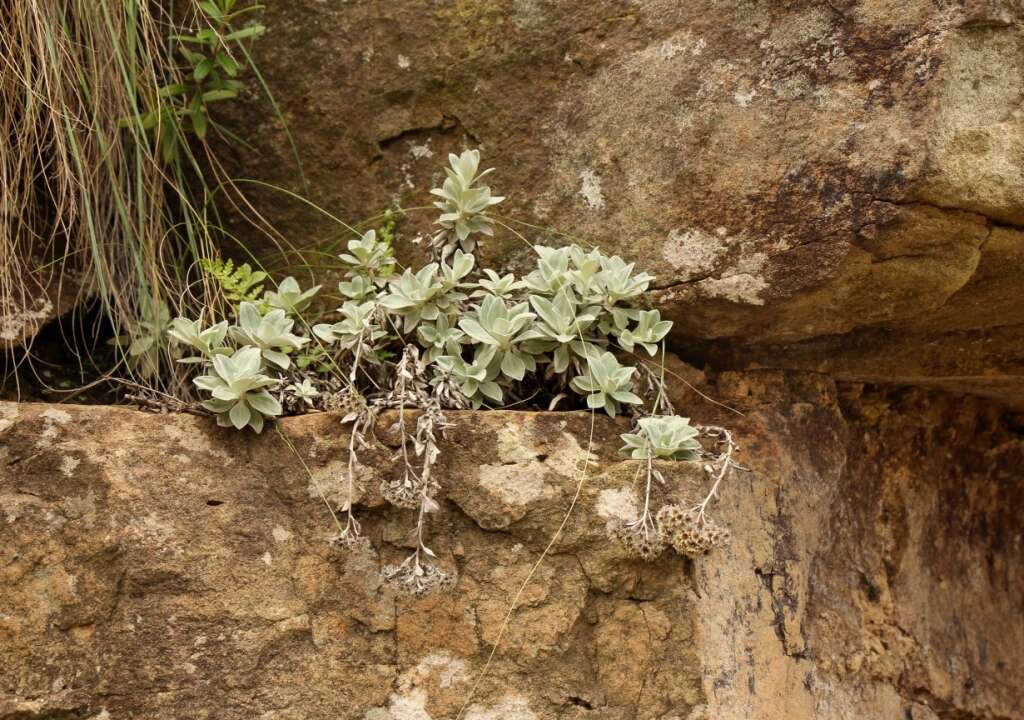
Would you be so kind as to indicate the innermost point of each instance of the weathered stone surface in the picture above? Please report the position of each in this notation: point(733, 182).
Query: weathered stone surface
point(879, 527)
point(23, 314)
point(792, 172)
point(156, 566)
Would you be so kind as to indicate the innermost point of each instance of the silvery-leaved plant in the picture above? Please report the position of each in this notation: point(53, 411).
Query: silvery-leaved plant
point(614, 321)
point(494, 324)
point(304, 391)
point(290, 297)
point(442, 338)
point(606, 384)
point(238, 386)
point(649, 331)
point(411, 296)
point(663, 437)
point(271, 333)
point(501, 285)
point(476, 379)
point(561, 327)
point(454, 275)
point(463, 204)
point(435, 290)
point(370, 258)
point(207, 341)
point(616, 283)
point(359, 289)
point(552, 272)
point(439, 338)
point(585, 266)
point(357, 327)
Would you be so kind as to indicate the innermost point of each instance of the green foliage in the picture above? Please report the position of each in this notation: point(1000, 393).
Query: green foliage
point(112, 184)
point(239, 284)
point(208, 342)
point(482, 339)
point(239, 392)
point(210, 76)
point(289, 297)
point(145, 338)
point(606, 384)
point(463, 204)
point(369, 258)
point(270, 332)
point(315, 358)
point(665, 437)
point(386, 230)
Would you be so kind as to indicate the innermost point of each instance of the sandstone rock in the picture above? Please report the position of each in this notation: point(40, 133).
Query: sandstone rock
point(157, 566)
point(792, 172)
point(23, 314)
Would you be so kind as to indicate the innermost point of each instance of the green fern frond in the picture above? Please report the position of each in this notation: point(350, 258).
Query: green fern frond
point(239, 284)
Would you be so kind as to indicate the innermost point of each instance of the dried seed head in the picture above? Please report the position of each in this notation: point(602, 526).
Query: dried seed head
point(449, 395)
point(670, 517)
point(418, 579)
point(401, 493)
point(639, 540)
point(689, 532)
point(347, 401)
point(349, 540)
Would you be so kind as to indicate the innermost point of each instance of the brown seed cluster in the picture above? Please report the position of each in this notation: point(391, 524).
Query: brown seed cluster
point(402, 493)
point(639, 540)
point(417, 580)
point(349, 540)
point(690, 533)
point(346, 401)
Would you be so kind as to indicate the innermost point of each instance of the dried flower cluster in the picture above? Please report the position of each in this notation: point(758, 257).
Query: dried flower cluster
point(640, 540)
point(417, 576)
point(418, 579)
point(689, 531)
point(350, 541)
point(686, 529)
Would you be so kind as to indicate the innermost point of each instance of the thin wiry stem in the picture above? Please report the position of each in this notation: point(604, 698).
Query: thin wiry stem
point(719, 464)
point(312, 479)
point(351, 524)
point(645, 522)
point(583, 476)
point(88, 207)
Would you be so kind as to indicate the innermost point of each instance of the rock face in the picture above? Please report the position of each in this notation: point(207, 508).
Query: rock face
point(832, 196)
point(835, 186)
point(156, 566)
point(23, 315)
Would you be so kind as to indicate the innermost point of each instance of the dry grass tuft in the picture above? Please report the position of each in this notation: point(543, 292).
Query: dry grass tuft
point(87, 207)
